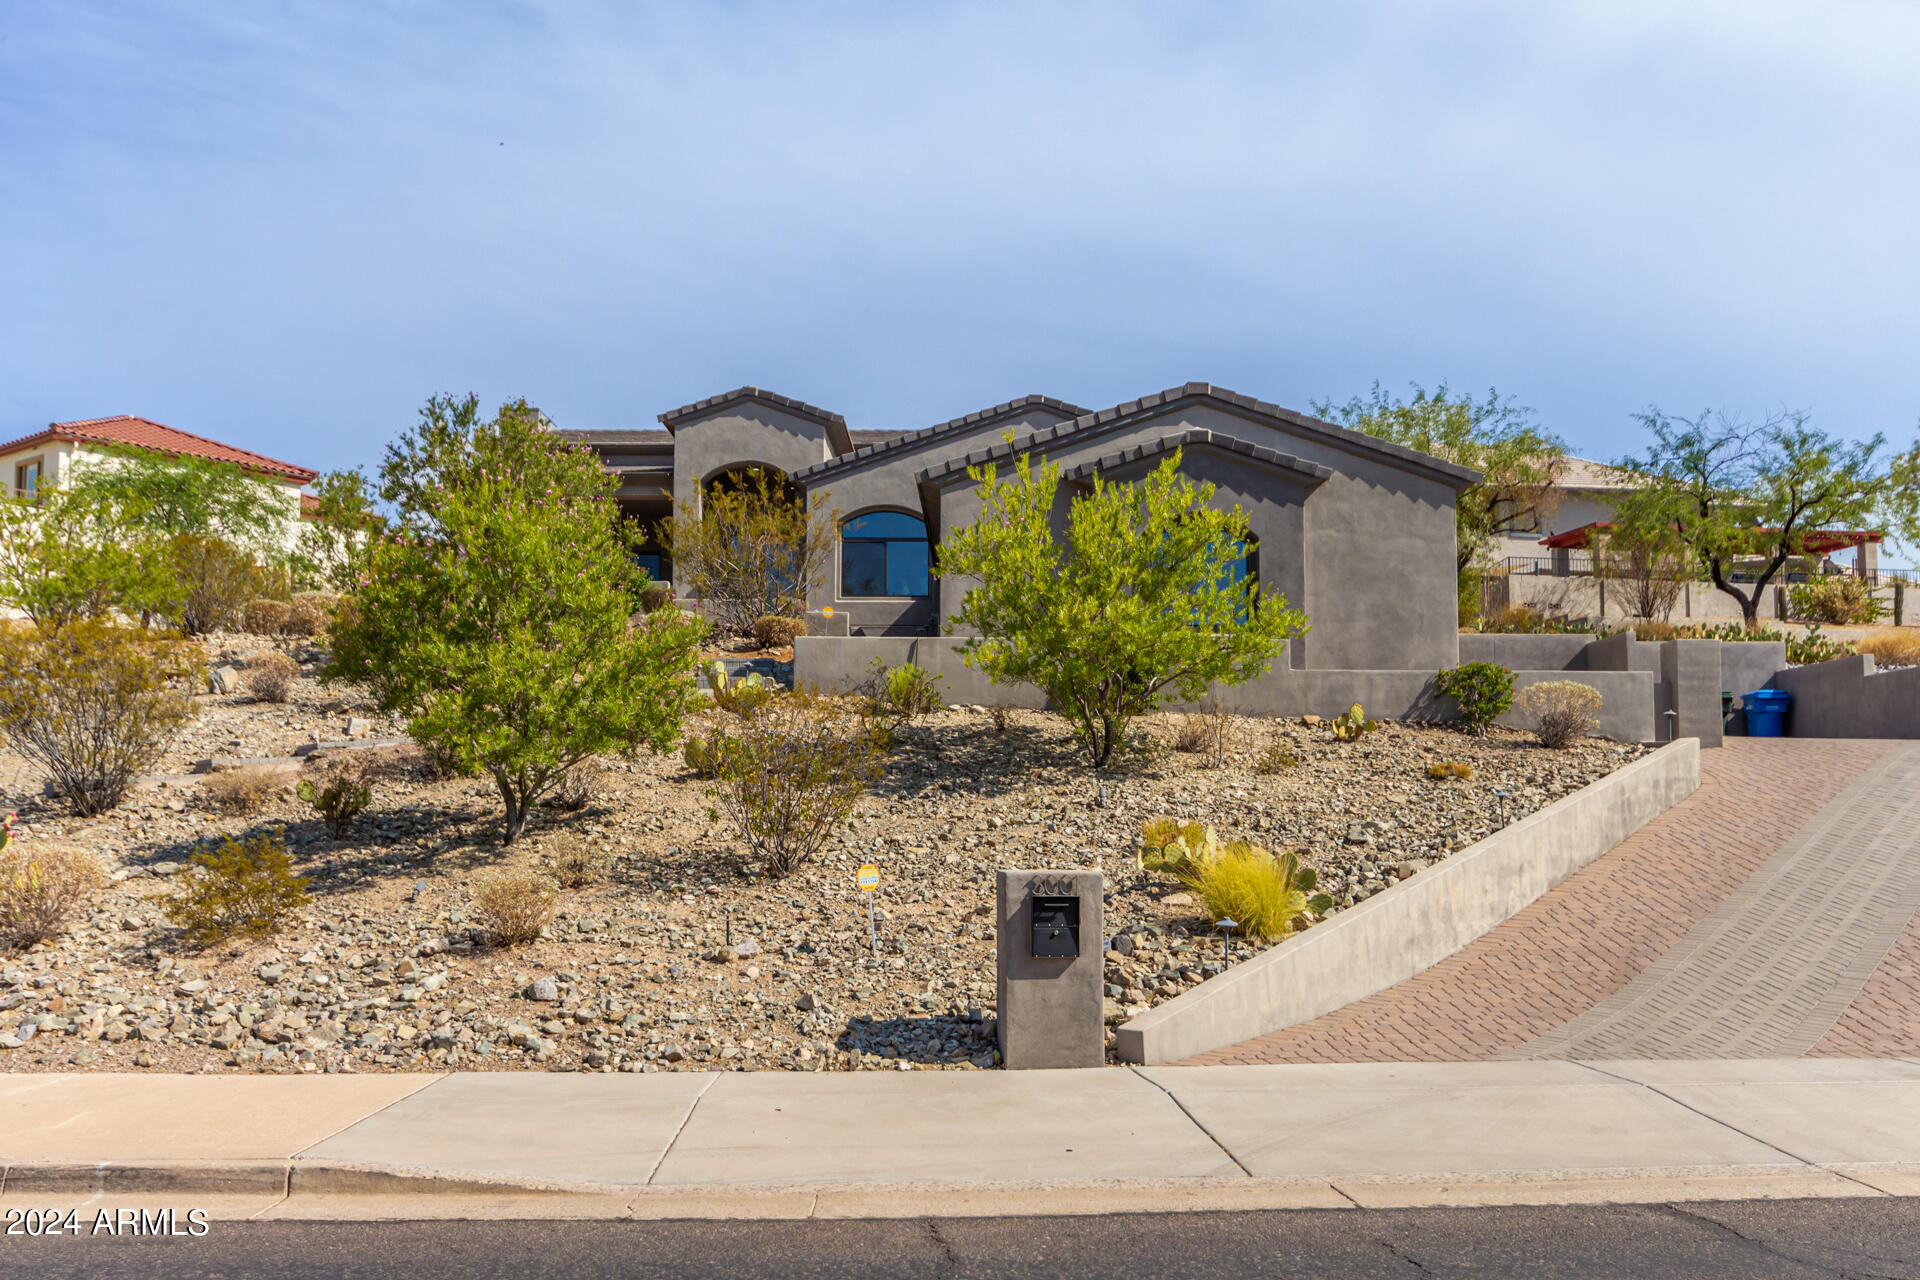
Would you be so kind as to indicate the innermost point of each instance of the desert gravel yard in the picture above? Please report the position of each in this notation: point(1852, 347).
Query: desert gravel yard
point(678, 956)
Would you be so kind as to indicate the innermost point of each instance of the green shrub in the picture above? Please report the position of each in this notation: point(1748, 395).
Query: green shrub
point(270, 676)
point(496, 618)
point(42, 883)
point(903, 693)
point(515, 906)
point(1562, 710)
point(573, 861)
point(1440, 770)
point(702, 752)
point(655, 596)
point(1842, 600)
point(241, 791)
point(93, 704)
point(340, 796)
point(310, 612)
point(245, 887)
point(267, 617)
point(217, 581)
point(1351, 725)
point(1276, 759)
point(1527, 620)
point(1484, 691)
point(772, 632)
point(1469, 598)
point(788, 779)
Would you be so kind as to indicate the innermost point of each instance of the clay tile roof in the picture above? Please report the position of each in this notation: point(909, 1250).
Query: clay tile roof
point(866, 451)
point(142, 433)
point(1459, 477)
point(1201, 437)
point(799, 408)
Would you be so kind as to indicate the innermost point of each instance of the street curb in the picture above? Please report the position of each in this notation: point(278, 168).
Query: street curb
point(319, 1191)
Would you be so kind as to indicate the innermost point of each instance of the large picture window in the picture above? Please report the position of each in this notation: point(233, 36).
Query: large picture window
point(884, 554)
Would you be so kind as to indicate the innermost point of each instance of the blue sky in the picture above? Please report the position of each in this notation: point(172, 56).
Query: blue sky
point(287, 225)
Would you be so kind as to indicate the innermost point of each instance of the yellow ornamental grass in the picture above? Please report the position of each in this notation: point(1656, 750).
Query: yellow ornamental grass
point(1263, 892)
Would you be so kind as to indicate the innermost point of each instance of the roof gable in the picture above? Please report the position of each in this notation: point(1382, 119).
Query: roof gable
point(903, 442)
point(1120, 415)
point(835, 424)
point(143, 433)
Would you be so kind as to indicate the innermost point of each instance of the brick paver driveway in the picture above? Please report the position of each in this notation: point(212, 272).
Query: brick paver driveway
point(1606, 925)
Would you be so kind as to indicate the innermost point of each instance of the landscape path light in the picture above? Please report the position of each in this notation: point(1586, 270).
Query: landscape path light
point(1226, 925)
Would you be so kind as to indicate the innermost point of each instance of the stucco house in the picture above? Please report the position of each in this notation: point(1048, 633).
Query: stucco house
point(1357, 531)
point(47, 459)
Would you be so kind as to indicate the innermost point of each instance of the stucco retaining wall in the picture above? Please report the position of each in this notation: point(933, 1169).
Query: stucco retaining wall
point(1851, 698)
point(836, 665)
point(1417, 923)
point(1527, 652)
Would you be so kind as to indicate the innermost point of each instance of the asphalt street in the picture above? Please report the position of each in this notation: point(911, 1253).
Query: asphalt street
point(1750, 1240)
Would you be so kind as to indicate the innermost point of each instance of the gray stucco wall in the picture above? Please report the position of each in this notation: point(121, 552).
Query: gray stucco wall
point(889, 483)
point(744, 432)
point(834, 665)
point(1373, 558)
point(1851, 698)
point(1527, 653)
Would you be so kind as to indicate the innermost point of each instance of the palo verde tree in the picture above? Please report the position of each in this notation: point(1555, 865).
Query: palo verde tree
point(1142, 603)
point(752, 550)
point(65, 560)
point(1745, 496)
point(1520, 463)
point(174, 494)
point(496, 616)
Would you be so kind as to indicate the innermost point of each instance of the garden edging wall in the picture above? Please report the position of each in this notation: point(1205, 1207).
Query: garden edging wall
point(840, 664)
point(1418, 922)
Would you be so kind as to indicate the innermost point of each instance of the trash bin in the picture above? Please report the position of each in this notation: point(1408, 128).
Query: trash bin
point(1766, 713)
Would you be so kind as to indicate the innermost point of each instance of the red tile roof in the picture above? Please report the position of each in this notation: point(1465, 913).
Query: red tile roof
point(1817, 542)
point(144, 434)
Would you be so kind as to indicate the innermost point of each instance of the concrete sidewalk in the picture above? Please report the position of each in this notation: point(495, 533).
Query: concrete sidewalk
point(884, 1145)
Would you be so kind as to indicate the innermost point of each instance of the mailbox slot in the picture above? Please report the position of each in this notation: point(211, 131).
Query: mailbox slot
point(1056, 927)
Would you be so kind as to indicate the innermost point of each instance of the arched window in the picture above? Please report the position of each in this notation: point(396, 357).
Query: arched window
point(1244, 571)
point(884, 553)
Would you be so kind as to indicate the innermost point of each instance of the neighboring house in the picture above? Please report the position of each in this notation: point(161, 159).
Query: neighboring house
point(48, 458)
point(1585, 495)
point(1356, 531)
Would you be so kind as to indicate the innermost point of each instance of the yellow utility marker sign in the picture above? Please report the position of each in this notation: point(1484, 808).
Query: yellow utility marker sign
point(869, 881)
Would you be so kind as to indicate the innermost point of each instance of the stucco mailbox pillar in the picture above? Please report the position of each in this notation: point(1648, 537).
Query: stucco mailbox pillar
point(1049, 943)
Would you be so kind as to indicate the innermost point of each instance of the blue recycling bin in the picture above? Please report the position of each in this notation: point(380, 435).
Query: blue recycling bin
point(1766, 712)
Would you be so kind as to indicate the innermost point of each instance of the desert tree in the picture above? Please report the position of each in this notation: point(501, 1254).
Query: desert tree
point(1744, 496)
point(1143, 602)
point(496, 617)
point(1520, 463)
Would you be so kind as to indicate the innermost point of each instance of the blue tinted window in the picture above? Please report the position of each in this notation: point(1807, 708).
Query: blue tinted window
point(887, 525)
point(884, 554)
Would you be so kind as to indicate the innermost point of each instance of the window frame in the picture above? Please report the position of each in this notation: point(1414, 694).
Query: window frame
point(841, 560)
point(39, 464)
